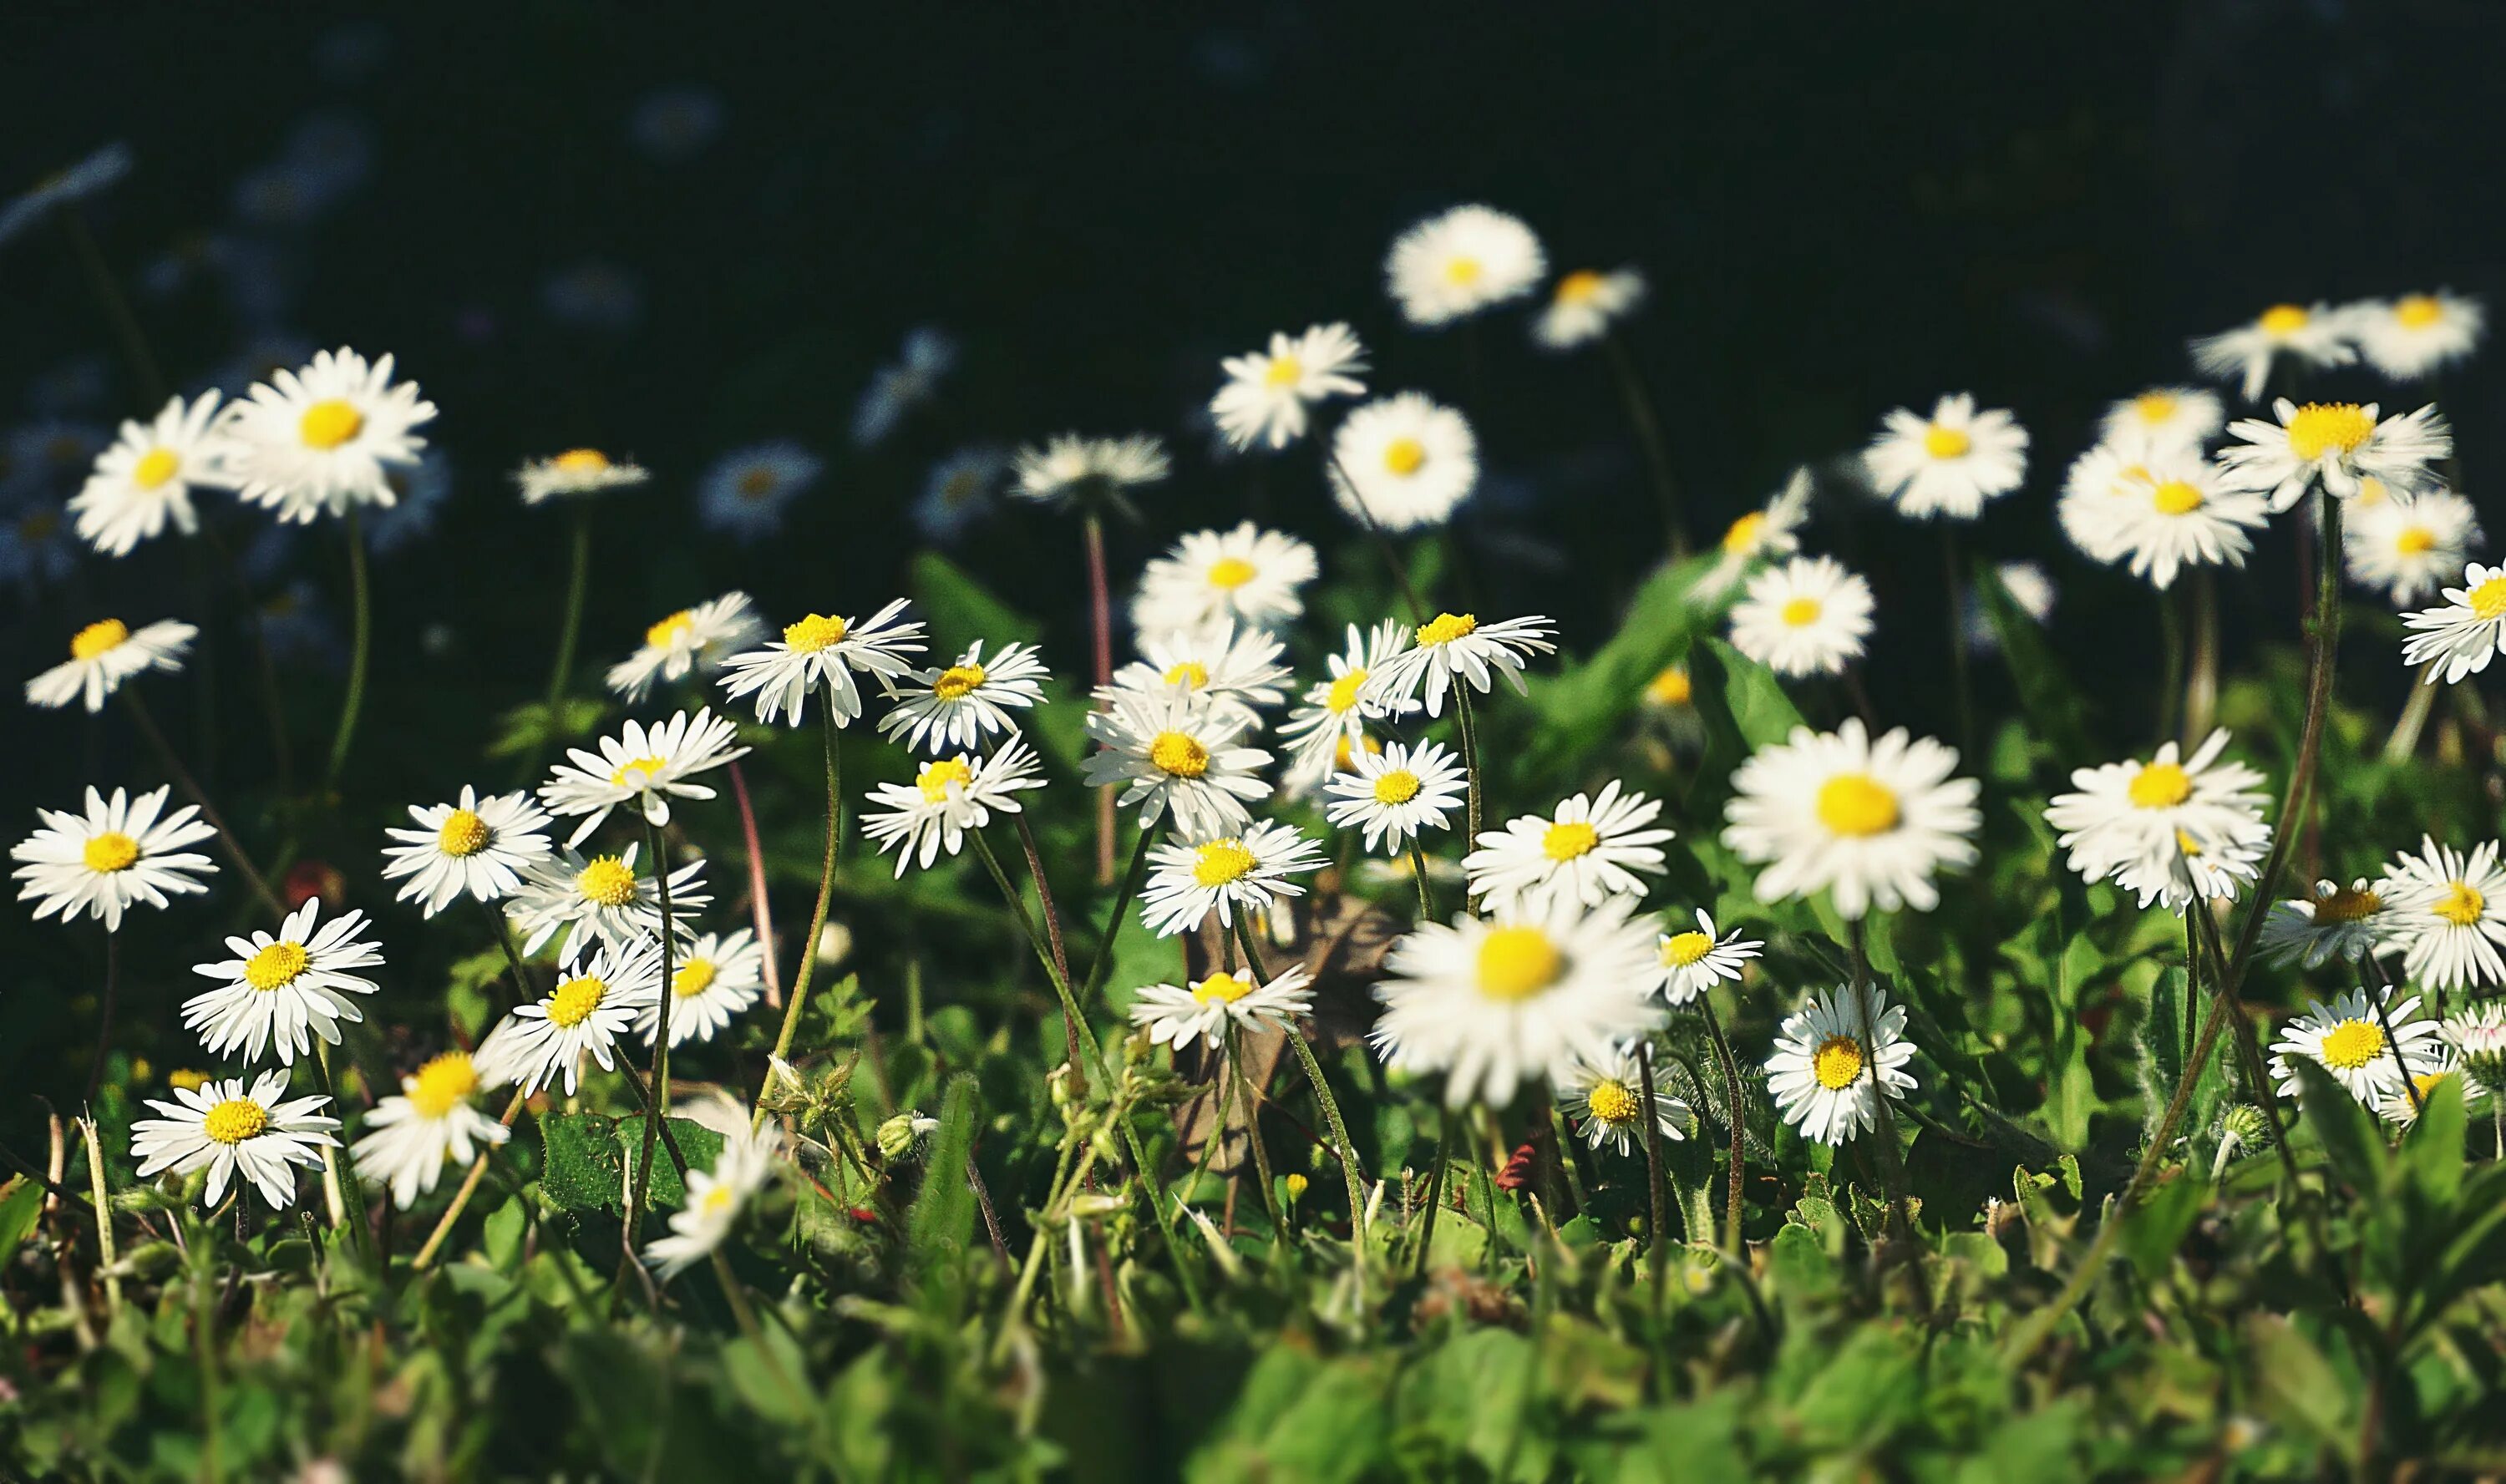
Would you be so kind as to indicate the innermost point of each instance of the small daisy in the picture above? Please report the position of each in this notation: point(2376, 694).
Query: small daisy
point(1950, 462)
point(2449, 915)
point(1761, 535)
point(1238, 872)
point(119, 852)
point(2175, 827)
point(1593, 846)
point(694, 641)
point(475, 846)
point(2478, 1036)
point(1807, 616)
point(712, 979)
point(322, 438)
point(1235, 674)
point(1177, 1016)
point(1453, 266)
point(226, 1128)
point(2400, 1109)
point(1584, 305)
point(1605, 1103)
point(146, 479)
point(1870, 822)
point(1691, 962)
point(2165, 420)
point(1396, 794)
point(643, 767)
point(745, 491)
point(959, 492)
point(2343, 923)
point(2179, 515)
point(1265, 396)
point(2410, 550)
point(427, 1125)
point(2029, 590)
point(105, 654)
point(2460, 636)
point(1070, 468)
point(1335, 712)
point(1457, 648)
point(959, 704)
point(2098, 495)
point(575, 474)
point(823, 651)
point(281, 990)
point(2347, 1039)
point(947, 798)
point(1402, 462)
point(1823, 1076)
point(603, 899)
point(2416, 335)
point(589, 1009)
point(1176, 755)
point(715, 1199)
point(1248, 575)
point(2339, 442)
point(2313, 336)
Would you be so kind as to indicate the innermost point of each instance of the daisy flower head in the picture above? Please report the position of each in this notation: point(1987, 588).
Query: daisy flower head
point(1238, 872)
point(603, 899)
point(416, 1133)
point(2447, 916)
point(2409, 550)
point(230, 1128)
point(712, 979)
point(2400, 1108)
point(2459, 636)
point(1453, 650)
point(1454, 264)
point(1807, 616)
point(119, 851)
point(1495, 1002)
point(1402, 462)
point(642, 766)
point(1584, 305)
point(1690, 962)
point(146, 479)
point(2176, 513)
point(2347, 1039)
point(2165, 420)
point(715, 1199)
point(1396, 794)
point(1069, 468)
point(1603, 1100)
point(1235, 673)
point(1950, 463)
point(694, 641)
point(2314, 337)
point(2097, 497)
point(2478, 1036)
point(1869, 821)
point(322, 438)
point(947, 798)
point(1761, 535)
point(826, 651)
point(1176, 755)
point(280, 990)
point(746, 492)
point(1335, 712)
point(588, 1012)
point(958, 704)
point(1248, 575)
point(1835, 1058)
point(957, 492)
point(2341, 444)
point(1592, 847)
point(1267, 394)
point(478, 847)
point(2418, 334)
point(576, 474)
point(2177, 827)
point(2337, 923)
point(105, 654)
point(1221, 1002)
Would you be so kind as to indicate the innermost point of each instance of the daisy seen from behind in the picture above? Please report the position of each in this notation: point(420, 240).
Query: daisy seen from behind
point(324, 437)
point(1870, 822)
point(1268, 394)
point(107, 652)
point(146, 479)
point(694, 641)
point(1835, 1058)
point(231, 1128)
point(1592, 847)
point(280, 990)
point(414, 1134)
point(117, 852)
point(1223, 1003)
point(1950, 463)
point(1809, 617)
point(476, 847)
point(824, 652)
point(1458, 263)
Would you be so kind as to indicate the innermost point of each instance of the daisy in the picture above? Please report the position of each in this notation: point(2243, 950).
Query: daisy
point(36, 546)
point(958, 705)
point(2314, 337)
point(1069, 466)
point(602, 898)
point(957, 492)
point(414, 1134)
point(226, 1128)
point(475, 847)
point(1402, 462)
point(1248, 575)
point(823, 650)
point(119, 852)
point(146, 479)
point(1267, 395)
point(2338, 922)
point(1950, 462)
point(642, 766)
point(2410, 550)
point(2399, 1108)
point(947, 798)
point(2175, 827)
point(694, 641)
point(279, 991)
point(1335, 712)
point(2415, 336)
point(1584, 305)
point(715, 1199)
point(1396, 794)
point(1688, 963)
point(590, 1006)
point(2339, 442)
point(2478, 1036)
point(1834, 1057)
point(712, 979)
point(1223, 1003)
point(1605, 1103)
point(105, 654)
point(576, 473)
point(1593, 846)
point(1807, 616)
point(2165, 420)
point(322, 438)
point(1234, 873)
point(2347, 1039)
point(2178, 515)
point(745, 491)
point(1455, 648)
point(2460, 636)
point(928, 355)
point(1870, 822)
point(1455, 265)
point(2097, 497)
point(1176, 755)
point(1760, 536)
point(2449, 915)
point(1233, 673)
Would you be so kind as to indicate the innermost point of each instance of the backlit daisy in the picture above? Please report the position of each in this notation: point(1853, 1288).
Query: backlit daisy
point(2447, 916)
point(694, 641)
point(2410, 550)
point(2398, 1106)
point(1592, 847)
point(2418, 334)
point(1267, 394)
point(429, 1124)
point(588, 1012)
point(1457, 648)
point(1761, 535)
point(322, 438)
point(2178, 513)
point(117, 851)
point(711, 979)
point(1176, 756)
point(280, 990)
point(1605, 1103)
point(1691, 961)
point(1248, 575)
point(1869, 821)
point(2347, 1039)
point(105, 654)
point(2338, 443)
point(962, 703)
point(1070, 468)
point(1834, 1059)
point(824, 652)
point(745, 491)
point(1402, 462)
point(2312, 338)
point(2337, 924)
point(1950, 463)
point(1456, 264)
point(146, 479)
point(603, 899)
point(2175, 826)
point(1584, 305)
point(715, 1199)
point(2165, 420)
point(2461, 635)
point(1227, 874)
point(1396, 794)
point(642, 767)
point(1807, 616)
point(576, 473)
point(1235, 673)
point(230, 1128)
point(947, 798)
point(1178, 1015)
point(477, 846)
point(1335, 712)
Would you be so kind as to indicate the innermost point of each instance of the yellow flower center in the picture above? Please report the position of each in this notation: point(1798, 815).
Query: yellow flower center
point(2411, 539)
point(635, 772)
point(462, 834)
point(1462, 272)
point(813, 634)
point(2153, 407)
point(2284, 319)
point(607, 881)
point(329, 424)
point(1670, 687)
point(2160, 786)
point(936, 776)
point(756, 485)
point(442, 1084)
point(1800, 612)
point(1684, 949)
point(2347, 904)
point(1404, 455)
point(1172, 752)
point(582, 461)
point(1221, 862)
point(2489, 599)
point(275, 965)
point(235, 1121)
point(1444, 628)
point(1344, 691)
point(1517, 962)
point(1742, 537)
point(2323, 427)
point(110, 851)
point(1566, 841)
point(1579, 287)
point(1192, 675)
point(693, 978)
point(957, 682)
point(155, 468)
point(661, 635)
point(2418, 311)
point(1230, 573)
point(102, 637)
point(1222, 989)
point(1857, 804)
point(2175, 497)
point(1613, 1102)
point(1287, 370)
point(1397, 787)
point(2352, 1044)
point(575, 999)
point(2462, 905)
point(1945, 443)
point(1837, 1062)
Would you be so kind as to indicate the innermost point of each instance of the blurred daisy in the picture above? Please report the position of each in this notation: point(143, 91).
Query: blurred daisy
point(1267, 395)
point(715, 1199)
point(2311, 337)
point(1592, 847)
point(712, 979)
point(1456, 649)
point(280, 990)
point(593, 295)
point(1455, 265)
point(1235, 673)
point(824, 652)
point(1176, 756)
point(673, 123)
point(2461, 635)
point(1070, 468)
point(1761, 535)
point(1605, 1103)
point(2410, 550)
point(2178, 514)
point(1248, 575)
point(416, 1132)
point(577, 472)
point(2416, 335)
point(895, 391)
point(2338, 443)
point(589, 1009)
point(745, 493)
point(1177, 1016)
point(2447, 916)
point(1395, 795)
point(1834, 1059)
point(1239, 872)
point(2029, 590)
point(958, 705)
point(694, 641)
point(642, 766)
point(231, 1128)
point(1402, 462)
point(479, 847)
point(1584, 305)
point(1950, 462)
point(1869, 821)
point(947, 798)
point(322, 438)
point(146, 479)
point(2347, 1039)
point(1690, 963)
point(2399, 1108)
point(36, 546)
point(105, 654)
point(120, 851)
point(2097, 497)
point(957, 492)
point(1807, 616)
point(1335, 712)
point(2478, 1036)
point(2165, 420)
point(419, 491)
point(91, 175)
point(602, 898)
point(2175, 827)
point(2343, 923)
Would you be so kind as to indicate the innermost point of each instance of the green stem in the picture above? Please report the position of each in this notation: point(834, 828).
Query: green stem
point(1471, 767)
point(2405, 739)
point(1131, 887)
point(578, 582)
point(1434, 1187)
point(658, 1106)
point(361, 646)
point(2201, 674)
point(1732, 1108)
point(461, 1197)
point(1658, 1212)
point(1253, 1135)
point(1648, 430)
point(1960, 680)
point(1086, 1038)
point(103, 1218)
point(817, 914)
point(117, 308)
point(191, 789)
point(1418, 874)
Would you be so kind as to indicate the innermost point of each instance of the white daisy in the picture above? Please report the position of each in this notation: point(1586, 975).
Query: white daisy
point(1176, 755)
point(1834, 1058)
point(1584, 305)
point(1605, 1103)
point(2175, 827)
point(2409, 550)
point(2447, 916)
point(1177, 1016)
point(1870, 822)
point(712, 979)
point(1238, 872)
point(694, 641)
point(577, 472)
point(229, 1129)
point(2418, 334)
point(1807, 616)
point(1688, 963)
point(1454, 264)
point(475, 847)
point(2165, 420)
point(429, 1124)
point(1761, 535)
point(715, 1199)
point(1267, 395)
point(1592, 846)
point(1070, 468)
point(1235, 674)
point(2313, 336)
point(119, 852)
point(322, 438)
point(280, 990)
point(2097, 497)
point(2338, 923)
point(823, 650)
point(2461, 635)
point(1950, 463)
point(146, 479)
point(1396, 794)
point(2478, 1036)
point(1456, 649)
point(587, 1010)
point(947, 798)
point(2339, 442)
point(959, 704)
point(746, 490)
point(603, 899)
point(2399, 1108)
point(643, 767)
point(1402, 462)
point(2347, 1039)
point(1335, 712)
point(105, 654)
point(1248, 573)
point(2178, 513)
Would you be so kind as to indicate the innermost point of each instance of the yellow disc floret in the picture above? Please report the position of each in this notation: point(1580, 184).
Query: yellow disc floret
point(1404, 455)
point(1670, 687)
point(582, 461)
point(110, 851)
point(1565, 841)
point(1222, 989)
point(2418, 311)
point(462, 834)
point(101, 637)
point(608, 881)
point(2160, 786)
point(1612, 1102)
point(575, 999)
point(1579, 287)
point(2175, 497)
point(1945, 443)
point(1857, 806)
point(1396, 786)
point(442, 1084)
point(1192, 675)
point(275, 965)
point(1800, 612)
point(2351, 1045)
point(937, 775)
point(1344, 691)
point(2413, 540)
point(235, 1121)
point(2462, 905)
point(2153, 407)
point(693, 978)
point(1232, 572)
point(2284, 319)
point(2488, 600)
point(957, 682)
point(813, 634)
point(1220, 862)
point(1287, 370)
point(661, 635)
point(2347, 904)
point(1685, 948)
point(1837, 1062)
point(155, 468)
point(1517, 962)
point(1178, 755)
point(1742, 538)
point(1444, 628)
point(329, 424)
point(636, 772)
point(2326, 427)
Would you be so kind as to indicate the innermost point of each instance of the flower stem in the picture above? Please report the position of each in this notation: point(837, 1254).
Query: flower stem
point(1053, 933)
point(281, 754)
point(1101, 635)
point(1392, 563)
point(1732, 1102)
point(2405, 739)
point(1253, 1135)
point(1648, 430)
point(658, 1106)
point(758, 905)
point(191, 790)
point(570, 628)
point(1076, 1028)
point(1435, 1188)
point(1418, 874)
point(1658, 1210)
point(109, 298)
point(1955, 589)
point(1132, 877)
point(461, 1197)
point(361, 647)
point(103, 1216)
point(1350, 1174)
point(817, 914)
point(2201, 673)
point(1470, 765)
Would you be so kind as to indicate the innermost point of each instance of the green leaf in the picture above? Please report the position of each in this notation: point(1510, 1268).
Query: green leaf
point(591, 1158)
point(21, 1205)
point(1583, 704)
point(2431, 1151)
point(2053, 706)
point(2348, 1132)
point(943, 1220)
point(2156, 1228)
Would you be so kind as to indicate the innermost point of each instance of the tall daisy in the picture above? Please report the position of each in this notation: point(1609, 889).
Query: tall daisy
point(231, 1128)
point(1454, 649)
point(2347, 1039)
point(947, 798)
point(146, 479)
point(694, 641)
point(1950, 463)
point(1268, 393)
point(2165, 420)
point(1592, 847)
point(588, 1012)
point(1584, 305)
point(1335, 712)
point(1605, 1103)
point(2177, 827)
point(324, 437)
point(1223, 1001)
point(1761, 535)
point(2409, 551)
point(1461, 261)
point(603, 899)
point(1069, 468)
point(2461, 635)
point(712, 979)
point(474, 846)
point(825, 652)
point(2313, 336)
point(2418, 334)
point(1835, 1058)
point(1404, 462)
point(119, 851)
point(1693, 960)
point(1247, 574)
point(715, 1199)
point(576, 474)
point(414, 1134)
point(2449, 915)
point(1870, 822)
point(1235, 673)
point(105, 654)
point(962, 703)
point(1395, 795)
point(643, 767)
point(2179, 513)
point(1176, 755)
point(1231, 874)
point(1809, 617)
point(2338, 444)
point(280, 990)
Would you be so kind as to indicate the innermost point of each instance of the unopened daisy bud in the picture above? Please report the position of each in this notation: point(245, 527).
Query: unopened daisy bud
point(2247, 1124)
point(2479, 1036)
point(901, 1135)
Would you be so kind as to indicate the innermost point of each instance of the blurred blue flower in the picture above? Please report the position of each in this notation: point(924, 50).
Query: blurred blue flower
point(595, 296)
point(37, 547)
point(421, 490)
point(928, 355)
point(745, 491)
point(959, 492)
point(673, 124)
point(87, 178)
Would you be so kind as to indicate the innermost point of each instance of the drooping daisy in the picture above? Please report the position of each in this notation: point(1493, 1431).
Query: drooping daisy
point(1177, 1016)
point(715, 1199)
point(1069, 468)
point(746, 490)
point(1592, 846)
point(1176, 755)
point(479, 847)
point(603, 899)
point(1807, 616)
point(947, 798)
point(959, 704)
point(2338, 443)
point(2461, 635)
point(2418, 334)
point(105, 654)
point(1453, 650)
point(2179, 513)
point(575, 474)
point(1335, 712)
point(1605, 1103)
point(1688, 963)
point(2410, 550)
point(588, 1010)
point(1761, 535)
point(824, 652)
point(1237, 674)
point(2165, 420)
point(712, 979)
point(643, 767)
point(1267, 395)
point(2175, 827)
point(2347, 1039)
point(957, 492)
point(1456, 264)
point(322, 438)
point(230, 1128)
point(694, 641)
point(1396, 794)
point(2313, 336)
point(1870, 822)
point(146, 479)
point(1402, 462)
point(2338, 923)
point(119, 852)
point(429, 1124)
point(1492, 1002)
point(1835, 1057)
point(1248, 575)
point(1238, 872)
point(2449, 915)
point(280, 990)
point(1950, 463)
point(1584, 305)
